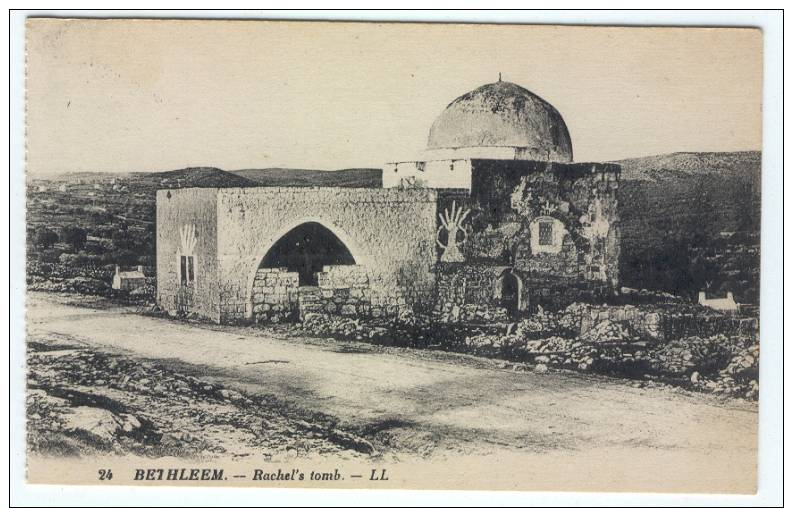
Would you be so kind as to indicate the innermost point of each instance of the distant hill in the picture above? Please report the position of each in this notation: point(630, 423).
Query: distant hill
point(187, 177)
point(684, 164)
point(683, 193)
point(355, 177)
point(201, 177)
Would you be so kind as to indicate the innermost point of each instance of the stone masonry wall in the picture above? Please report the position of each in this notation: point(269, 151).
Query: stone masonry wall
point(555, 293)
point(468, 293)
point(275, 295)
point(654, 322)
point(354, 290)
point(177, 209)
point(391, 232)
point(472, 292)
point(510, 198)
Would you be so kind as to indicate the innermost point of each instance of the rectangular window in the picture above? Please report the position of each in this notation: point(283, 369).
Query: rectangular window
point(190, 270)
point(187, 270)
point(546, 233)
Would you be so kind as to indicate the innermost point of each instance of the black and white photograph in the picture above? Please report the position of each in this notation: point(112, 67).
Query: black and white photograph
point(373, 255)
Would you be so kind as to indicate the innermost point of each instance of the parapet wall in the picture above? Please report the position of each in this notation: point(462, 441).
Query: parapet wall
point(355, 291)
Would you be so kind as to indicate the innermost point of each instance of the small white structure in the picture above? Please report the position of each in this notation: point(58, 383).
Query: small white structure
point(128, 280)
point(723, 304)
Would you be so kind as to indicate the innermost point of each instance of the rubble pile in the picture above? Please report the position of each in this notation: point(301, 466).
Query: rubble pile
point(92, 369)
point(720, 364)
point(608, 331)
point(409, 331)
point(716, 363)
point(682, 357)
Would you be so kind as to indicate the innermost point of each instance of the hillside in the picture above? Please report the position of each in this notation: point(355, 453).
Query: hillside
point(187, 177)
point(680, 194)
point(355, 177)
point(696, 209)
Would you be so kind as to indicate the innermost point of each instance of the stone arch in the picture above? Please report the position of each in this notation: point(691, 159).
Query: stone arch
point(357, 255)
point(306, 249)
point(509, 291)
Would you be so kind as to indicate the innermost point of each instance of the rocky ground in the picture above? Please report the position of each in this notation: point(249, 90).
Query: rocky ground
point(84, 402)
point(724, 364)
point(107, 379)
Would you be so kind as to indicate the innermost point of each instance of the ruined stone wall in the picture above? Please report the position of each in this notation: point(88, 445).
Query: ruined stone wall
point(469, 293)
point(178, 211)
point(512, 201)
point(275, 295)
point(472, 292)
point(391, 232)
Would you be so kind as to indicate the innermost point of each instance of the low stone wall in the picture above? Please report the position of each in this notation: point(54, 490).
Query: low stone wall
point(356, 290)
point(661, 323)
point(275, 295)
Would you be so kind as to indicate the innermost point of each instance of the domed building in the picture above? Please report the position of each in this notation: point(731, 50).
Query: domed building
point(504, 120)
point(534, 219)
point(492, 221)
point(497, 121)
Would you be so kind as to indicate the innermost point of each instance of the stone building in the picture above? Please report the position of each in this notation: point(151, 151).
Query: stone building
point(492, 220)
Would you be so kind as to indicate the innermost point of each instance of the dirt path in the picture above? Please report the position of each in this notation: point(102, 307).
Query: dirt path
point(418, 405)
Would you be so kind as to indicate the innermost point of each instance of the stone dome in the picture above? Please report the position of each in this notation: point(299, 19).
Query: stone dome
point(503, 114)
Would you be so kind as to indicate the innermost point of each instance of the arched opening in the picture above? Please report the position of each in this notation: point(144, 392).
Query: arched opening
point(511, 287)
point(305, 249)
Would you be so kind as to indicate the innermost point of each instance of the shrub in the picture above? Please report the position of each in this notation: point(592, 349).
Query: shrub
point(122, 257)
point(122, 240)
point(45, 238)
point(79, 260)
point(49, 256)
point(75, 236)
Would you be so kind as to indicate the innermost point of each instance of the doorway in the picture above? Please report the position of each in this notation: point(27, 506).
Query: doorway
point(306, 249)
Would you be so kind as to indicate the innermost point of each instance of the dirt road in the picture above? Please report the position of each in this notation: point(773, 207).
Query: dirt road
point(443, 405)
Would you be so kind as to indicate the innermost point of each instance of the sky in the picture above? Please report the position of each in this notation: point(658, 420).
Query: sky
point(154, 95)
